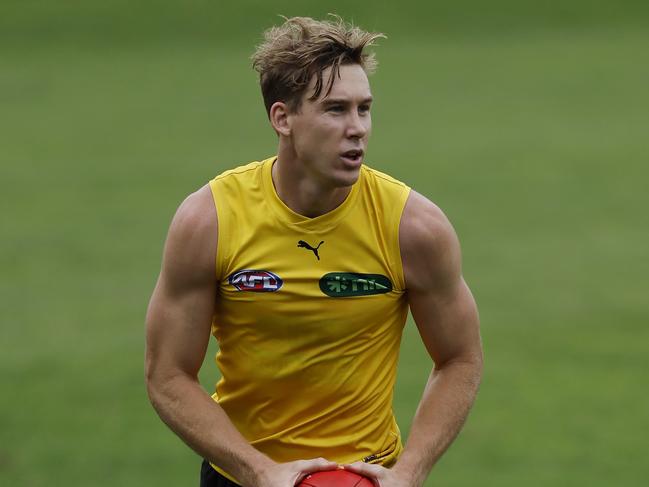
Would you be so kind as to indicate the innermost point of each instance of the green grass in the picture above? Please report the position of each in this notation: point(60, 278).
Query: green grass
point(532, 139)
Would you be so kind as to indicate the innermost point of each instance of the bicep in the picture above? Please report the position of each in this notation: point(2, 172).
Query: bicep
point(448, 324)
point(178, 329)
point(181, 307)
point(440, 300)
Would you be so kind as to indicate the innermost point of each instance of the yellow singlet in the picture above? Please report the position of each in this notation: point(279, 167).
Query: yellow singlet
point(309, 317)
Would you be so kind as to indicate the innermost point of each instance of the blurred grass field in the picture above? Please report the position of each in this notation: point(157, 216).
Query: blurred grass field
point(527, 124)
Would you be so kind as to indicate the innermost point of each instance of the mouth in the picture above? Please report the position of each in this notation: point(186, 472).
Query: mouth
point(354, 156)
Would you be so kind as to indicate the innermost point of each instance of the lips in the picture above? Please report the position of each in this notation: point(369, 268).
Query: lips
point(353, 155)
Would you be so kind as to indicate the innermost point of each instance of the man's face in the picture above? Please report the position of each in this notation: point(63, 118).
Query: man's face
point(329, 135)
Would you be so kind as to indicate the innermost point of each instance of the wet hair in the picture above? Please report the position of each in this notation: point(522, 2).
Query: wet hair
point(292, 53)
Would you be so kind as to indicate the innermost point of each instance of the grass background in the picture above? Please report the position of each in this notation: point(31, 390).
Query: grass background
point(526, 122)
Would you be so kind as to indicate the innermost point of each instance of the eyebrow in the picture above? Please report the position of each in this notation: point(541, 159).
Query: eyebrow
point(344, 101)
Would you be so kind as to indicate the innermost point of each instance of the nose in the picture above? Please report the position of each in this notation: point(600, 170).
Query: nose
point(357, 126)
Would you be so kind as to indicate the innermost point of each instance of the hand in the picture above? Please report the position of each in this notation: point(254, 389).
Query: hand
point(291, 473)
point(381, 476)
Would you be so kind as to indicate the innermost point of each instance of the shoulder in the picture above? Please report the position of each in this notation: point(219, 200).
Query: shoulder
point(423, 223)
point(384, 194)
point(196, 214)
point(430, 249)
point(373, 176)
point(191, 242)
point(250, 169)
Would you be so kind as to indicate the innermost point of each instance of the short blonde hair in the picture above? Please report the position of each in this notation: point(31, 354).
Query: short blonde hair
point(301, 48)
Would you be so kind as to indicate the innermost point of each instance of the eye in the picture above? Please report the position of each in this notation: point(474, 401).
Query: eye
point(336, 108)
point(364, 109)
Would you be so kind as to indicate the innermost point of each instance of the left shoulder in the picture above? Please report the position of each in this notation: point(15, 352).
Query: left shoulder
point(430, 250)
point(374, 177)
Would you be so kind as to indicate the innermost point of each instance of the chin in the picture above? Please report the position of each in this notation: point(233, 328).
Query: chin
point(347, 177)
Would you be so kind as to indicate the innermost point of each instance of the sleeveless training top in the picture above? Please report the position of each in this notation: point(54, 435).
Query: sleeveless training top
point(309, 317)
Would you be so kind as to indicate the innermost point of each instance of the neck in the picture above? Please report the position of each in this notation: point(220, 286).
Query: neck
point(303, 192)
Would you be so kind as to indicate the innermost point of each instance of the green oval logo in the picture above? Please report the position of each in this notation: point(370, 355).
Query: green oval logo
point(346, 284)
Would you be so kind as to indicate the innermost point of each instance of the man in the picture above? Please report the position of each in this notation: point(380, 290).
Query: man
point(303, 266)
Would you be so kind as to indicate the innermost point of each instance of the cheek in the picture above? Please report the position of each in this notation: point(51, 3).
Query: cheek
point(304, 138)
point(317, 137)
point(308, 144)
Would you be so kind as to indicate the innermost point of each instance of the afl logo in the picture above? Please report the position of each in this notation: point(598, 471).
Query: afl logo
point(256, 281)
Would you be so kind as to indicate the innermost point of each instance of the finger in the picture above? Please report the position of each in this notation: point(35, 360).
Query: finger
point(365, 469)
point(318, 464)
point(315, 465)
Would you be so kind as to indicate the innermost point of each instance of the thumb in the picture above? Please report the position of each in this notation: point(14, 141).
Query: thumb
point(366, 470)
point(314, 465)
point(318, 465)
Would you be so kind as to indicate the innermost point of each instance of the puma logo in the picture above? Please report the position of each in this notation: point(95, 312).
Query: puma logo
point(302, 243)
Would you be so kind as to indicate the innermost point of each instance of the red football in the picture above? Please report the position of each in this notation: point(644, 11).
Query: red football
point(336, 478)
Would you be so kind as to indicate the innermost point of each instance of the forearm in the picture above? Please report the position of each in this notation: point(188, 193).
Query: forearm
point(201, 423)
point(443, 409)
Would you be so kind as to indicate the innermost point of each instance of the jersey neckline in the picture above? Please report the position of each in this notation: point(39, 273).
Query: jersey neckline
point(300, 222)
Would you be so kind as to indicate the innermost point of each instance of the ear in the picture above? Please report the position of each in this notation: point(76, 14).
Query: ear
point(279, 118)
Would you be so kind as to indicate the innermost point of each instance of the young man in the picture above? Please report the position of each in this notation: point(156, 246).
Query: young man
point(303, 266)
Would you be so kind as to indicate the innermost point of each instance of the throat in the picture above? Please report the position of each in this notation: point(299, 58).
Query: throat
point(306, 197)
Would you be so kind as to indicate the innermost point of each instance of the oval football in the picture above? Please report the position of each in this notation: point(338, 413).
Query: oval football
point(336, 478)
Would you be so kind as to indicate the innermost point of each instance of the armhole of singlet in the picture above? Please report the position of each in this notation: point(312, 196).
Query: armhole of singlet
point(398, 215)
point(394, 195)
point(222, 228)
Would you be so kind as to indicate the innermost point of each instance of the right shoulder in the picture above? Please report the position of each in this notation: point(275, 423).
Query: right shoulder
point(196, 214)
point(248, 170)
point(193, 234)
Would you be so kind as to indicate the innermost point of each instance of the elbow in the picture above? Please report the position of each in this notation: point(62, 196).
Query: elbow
point(165, 384)
point(150, 374)
point(158, 382)
point(160, 391)
point(163, 393)
point(473, 363)
point(475, 366)
point(476, 378)
point(154, 385)
point(478, 363)
point(467, 368)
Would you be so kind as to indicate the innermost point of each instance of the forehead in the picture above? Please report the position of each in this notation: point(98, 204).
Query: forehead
point(351, 84)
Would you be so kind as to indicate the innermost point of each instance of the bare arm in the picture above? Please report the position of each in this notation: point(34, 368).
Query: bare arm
point(446, 316)
point(177, 334)
point(178, 330)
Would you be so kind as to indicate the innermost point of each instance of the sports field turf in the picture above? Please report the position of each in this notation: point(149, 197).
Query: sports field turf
point(527, 125)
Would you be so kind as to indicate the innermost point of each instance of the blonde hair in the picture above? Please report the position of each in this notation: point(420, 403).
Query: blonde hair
point(302, 47)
